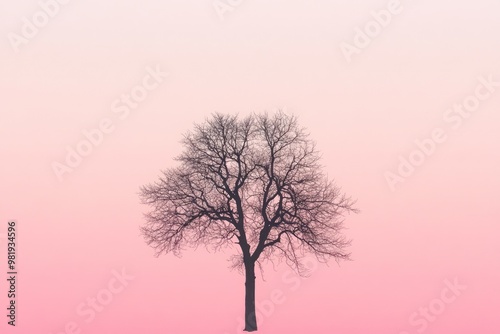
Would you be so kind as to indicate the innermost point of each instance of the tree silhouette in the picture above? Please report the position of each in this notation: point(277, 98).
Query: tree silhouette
point(255, 182)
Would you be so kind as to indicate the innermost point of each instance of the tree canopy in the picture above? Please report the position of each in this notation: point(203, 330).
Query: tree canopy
point(255, 181)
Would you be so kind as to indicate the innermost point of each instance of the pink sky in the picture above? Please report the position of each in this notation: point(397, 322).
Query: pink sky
point(438, 226)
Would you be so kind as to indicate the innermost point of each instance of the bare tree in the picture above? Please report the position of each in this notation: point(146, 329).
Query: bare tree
point(255, 182)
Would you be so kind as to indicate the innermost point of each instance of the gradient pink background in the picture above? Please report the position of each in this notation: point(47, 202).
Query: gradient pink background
point(442, 223)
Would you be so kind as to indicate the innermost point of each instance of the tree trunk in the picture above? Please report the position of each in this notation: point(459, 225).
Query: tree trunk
point(250, 317)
